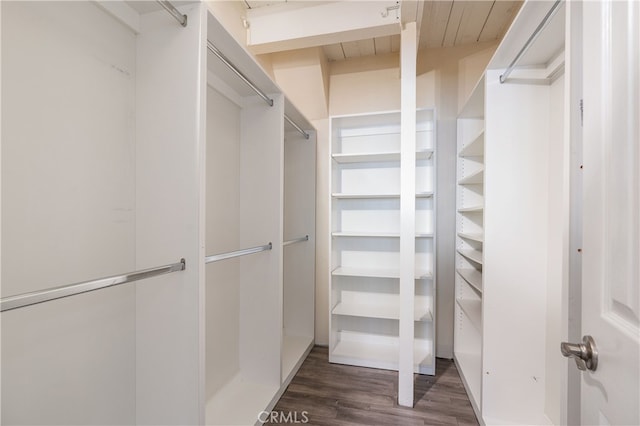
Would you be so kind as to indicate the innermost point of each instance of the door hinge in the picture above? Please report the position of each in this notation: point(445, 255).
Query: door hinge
point(582, 112)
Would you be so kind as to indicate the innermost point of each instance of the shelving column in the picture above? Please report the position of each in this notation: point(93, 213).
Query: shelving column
point(469, 244)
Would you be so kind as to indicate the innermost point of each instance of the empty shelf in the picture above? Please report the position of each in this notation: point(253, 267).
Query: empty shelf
point(475, 148)
point(378, 351)
point(472, 209)
point(351, 271)
point(470, 369)
point(366, 157)
point(376, 196)
point(343, 195)
point(377, 234)
point(473, 310)
point(366, 234)
point(387, 311)
point(424, 194)
point(473, 255)
point(238, 401)
point(473, 178)
point(293, 349)
point(473, 277)
point(371, 157)
point(473, 236)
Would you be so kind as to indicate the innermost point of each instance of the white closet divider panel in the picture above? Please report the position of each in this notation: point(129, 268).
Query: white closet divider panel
point(261, 212)
point(298, 293)
point(170, 100)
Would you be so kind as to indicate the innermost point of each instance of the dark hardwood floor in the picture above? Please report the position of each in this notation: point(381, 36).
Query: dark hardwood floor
point(332, 394)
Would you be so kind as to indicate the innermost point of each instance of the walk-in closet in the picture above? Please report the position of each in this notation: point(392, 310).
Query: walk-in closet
point(319, 212)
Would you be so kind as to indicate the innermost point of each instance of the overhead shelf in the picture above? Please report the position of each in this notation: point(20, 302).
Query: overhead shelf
point(473, 255)
point(475, 148)
point(366, 234)
point(389, 310)
point(472, 276)
point(474, 178)
point(350, 271)
point(373, 157)
point(472, 236)
point(341, 195)
point(377, 234)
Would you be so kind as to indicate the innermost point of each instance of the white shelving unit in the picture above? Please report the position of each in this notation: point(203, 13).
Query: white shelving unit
point(260, 189)
point(469, 243)
point(510, 255)
point(365, 249)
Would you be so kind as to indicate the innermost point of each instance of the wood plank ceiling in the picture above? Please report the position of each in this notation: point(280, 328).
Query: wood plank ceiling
point(445, 23)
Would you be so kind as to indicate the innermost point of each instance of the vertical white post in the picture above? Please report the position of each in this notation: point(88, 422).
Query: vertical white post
point(408, 53)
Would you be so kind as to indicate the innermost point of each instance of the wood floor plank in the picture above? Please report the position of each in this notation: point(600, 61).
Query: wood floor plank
point(341, 395)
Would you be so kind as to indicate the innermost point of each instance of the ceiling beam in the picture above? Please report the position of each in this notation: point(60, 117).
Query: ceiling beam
point(412, 11)
point(298, 25)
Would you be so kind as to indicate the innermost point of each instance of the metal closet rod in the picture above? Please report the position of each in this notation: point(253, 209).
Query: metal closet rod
point(237, 253)
point(213, 49)
point(28, 299)
point(173, 12)
point(237, 72)
point(296, 240)
point(298, 128)
point(534, 36)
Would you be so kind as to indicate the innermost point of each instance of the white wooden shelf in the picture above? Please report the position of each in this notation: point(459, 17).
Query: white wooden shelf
point(376, 196)
point(293, 350)
point(387, 311)
point(366, 234)
point(473, 277)
point(475, 148)
point(424, 194)
point(363, 196)
point(471, 209)
point(473, 107)
point(239, 400)
point(372, 157)
point(469, 366)
point(473, 310)
point(349, 271)
point(473, 255)
point(376, 234)
point(472, 236)
point(473, 179)
point(379, 351)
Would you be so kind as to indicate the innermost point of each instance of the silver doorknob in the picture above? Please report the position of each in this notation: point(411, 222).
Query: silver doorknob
point(585, 353)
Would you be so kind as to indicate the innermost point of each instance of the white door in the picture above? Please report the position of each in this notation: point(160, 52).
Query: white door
point(611, 221)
